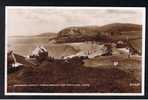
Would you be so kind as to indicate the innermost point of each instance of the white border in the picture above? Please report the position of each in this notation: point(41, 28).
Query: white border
point(143, 9)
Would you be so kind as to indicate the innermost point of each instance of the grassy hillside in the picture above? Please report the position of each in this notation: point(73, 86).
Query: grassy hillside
point(99, 79)
point(111, 32)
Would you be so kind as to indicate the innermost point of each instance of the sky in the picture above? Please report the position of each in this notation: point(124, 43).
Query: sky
point(37, 20)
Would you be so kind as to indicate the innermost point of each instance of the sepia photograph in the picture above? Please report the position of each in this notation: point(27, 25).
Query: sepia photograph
point(74, 50)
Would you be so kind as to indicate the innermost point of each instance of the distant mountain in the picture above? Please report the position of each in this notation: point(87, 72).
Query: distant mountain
point(47, 34)
point(111, 32)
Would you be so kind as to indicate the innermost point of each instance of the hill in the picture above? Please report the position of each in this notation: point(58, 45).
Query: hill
point(110, 32)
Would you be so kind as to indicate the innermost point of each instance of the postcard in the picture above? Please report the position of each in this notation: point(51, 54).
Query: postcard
point(74, 50)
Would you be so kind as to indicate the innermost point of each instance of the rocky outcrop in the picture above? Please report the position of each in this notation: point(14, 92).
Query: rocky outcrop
point(40, 53)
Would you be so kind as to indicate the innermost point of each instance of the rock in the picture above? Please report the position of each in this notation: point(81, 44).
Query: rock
point(12, 62)
point(40, 53)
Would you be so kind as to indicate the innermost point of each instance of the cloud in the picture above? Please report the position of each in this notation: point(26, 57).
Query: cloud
point(35, 21)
